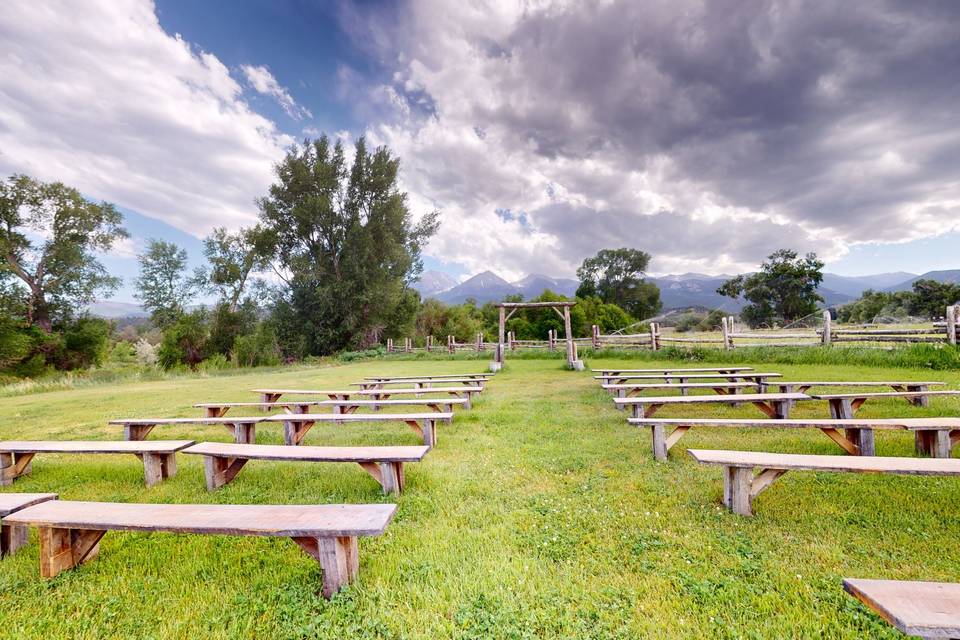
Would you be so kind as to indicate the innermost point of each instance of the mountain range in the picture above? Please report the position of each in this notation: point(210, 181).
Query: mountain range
point(676, 291)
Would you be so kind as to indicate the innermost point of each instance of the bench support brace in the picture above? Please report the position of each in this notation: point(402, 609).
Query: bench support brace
point(388, 474)
point(741, 486)
point(62, 549)
point(294, 431)
point(662, 443)
point(220, 471)
point(338, 558)
point(14, 465)
point(427, 430)
point(12, 537)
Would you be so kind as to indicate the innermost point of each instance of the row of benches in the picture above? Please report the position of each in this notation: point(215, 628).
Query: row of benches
point(926, 609)
point(70, 532)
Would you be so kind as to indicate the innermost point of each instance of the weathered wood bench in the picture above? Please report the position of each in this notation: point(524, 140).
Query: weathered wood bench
point(442, 405)
point(741, 486)
point(222, 462)
point(790, 386)
point(934, 436)
point(13, 536)
point(70, 532)
point(631, 390)
point(268, 396)
point(845, 405)
point(159, 456)
point(243, 428)
point(924, 609)
point(296, 426)
point(775, 405)
point(613, 373)
point(420, 383)
point(220, 409)
point(466, 393)
point(760, 379)
point(477, 376)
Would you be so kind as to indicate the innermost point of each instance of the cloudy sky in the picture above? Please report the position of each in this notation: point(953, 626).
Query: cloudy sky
point(707, 133)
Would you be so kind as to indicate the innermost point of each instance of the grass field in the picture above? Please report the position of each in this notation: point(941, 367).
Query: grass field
point(540, 514)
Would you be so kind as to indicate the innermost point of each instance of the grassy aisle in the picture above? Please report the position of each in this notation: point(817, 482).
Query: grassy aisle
point(539, 514)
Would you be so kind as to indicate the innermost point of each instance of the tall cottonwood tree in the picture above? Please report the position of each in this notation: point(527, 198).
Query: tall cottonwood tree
point(618, 276)
point(344, 241)
point(49, 238)
point(233, 257)
point(785, 288)
point(164, 287)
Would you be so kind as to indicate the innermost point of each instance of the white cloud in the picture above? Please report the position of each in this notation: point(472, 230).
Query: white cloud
point(97, 95)
point(709, 136)
point(263, 82)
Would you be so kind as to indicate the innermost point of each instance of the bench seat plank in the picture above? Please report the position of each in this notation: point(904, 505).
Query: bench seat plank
point(741, 486)
point(883, 394)
point(13, 537)
point(297, 425)
point(925, 609)
point(431, 377)
point(70, 533)
point(222, 462)
point(159, 456)
point(243, 428)
point(775, 405)
point(615, 372)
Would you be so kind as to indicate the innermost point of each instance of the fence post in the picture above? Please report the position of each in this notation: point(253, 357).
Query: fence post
point(551, 340)
point(479, 342)
point(389, 345)
point(951, 321)
point(451, 345)
point(408, 345)
point(654, 342)
point(595, 333)
point(428, 343)
point(725, 327)
point(826, 327)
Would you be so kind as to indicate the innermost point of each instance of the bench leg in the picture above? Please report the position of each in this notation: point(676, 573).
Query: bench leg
point(62, 549)
point(737, 482)
point(12, 537)
point(919, 401)
point(428, 430)
point(933, 442)
point(220, 471)
point(295, 431)
point(157, 467)
point(388, 474)
point(841, 408)
point(14, 465)
point(468, 397)
point(338, 558)
point(137, 431)
point(863, 438)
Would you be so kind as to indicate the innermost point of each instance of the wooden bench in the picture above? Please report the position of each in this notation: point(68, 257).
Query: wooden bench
point(741, 486)
point(220, 409)
point(790, 386)
point(775, 405)
point(760, 379)
point(268, 396)
point(466, 393)
point(222, 462)
point(243, 428)
point(845, 405)
point(12, 536)
point(442, 405)
point(476, 376)
point(296, 426)
point(419, 383)
point(925, 609)
point(631, 390)
point(159, 456)
point(70, 532)
point(613, 373)
point(933, 436)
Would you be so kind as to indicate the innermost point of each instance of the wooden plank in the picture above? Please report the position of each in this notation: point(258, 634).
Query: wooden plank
point(431, 377)
point(216, 519)
point(14, 537)
point(925, 609)
point(747, 375)
point(873, 423)
point(745, 397)
point(801, 462)
point(413, 453)
point(94, 446)
point(615, 372)
point(881, 394)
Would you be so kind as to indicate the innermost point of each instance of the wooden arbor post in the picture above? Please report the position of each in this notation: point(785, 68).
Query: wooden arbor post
point(951, 320)
point(573, 362)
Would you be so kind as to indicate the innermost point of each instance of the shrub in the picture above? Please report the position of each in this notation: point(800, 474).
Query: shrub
point(146, 353)
point(259, 349)
point(185, 341)
point(86, 343)
point(216, 362)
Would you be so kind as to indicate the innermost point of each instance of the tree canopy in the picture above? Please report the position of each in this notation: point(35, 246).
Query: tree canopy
point(785, 288)
point(617, 276)
point(49, 238)
point(164, 287)
point(344, 241)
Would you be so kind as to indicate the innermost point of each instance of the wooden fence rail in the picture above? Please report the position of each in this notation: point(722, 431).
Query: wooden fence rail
point(728, 338)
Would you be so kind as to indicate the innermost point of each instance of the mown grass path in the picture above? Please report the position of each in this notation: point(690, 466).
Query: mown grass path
point(539, 514)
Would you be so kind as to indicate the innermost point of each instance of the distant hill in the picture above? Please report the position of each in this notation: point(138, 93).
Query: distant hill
point(535, 284)
point(952, 275)
point(483, 287)
point(432, 283)
point(109, 309)
point(855, 285)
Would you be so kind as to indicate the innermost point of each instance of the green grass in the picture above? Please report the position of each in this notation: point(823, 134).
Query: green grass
point(540, 514)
